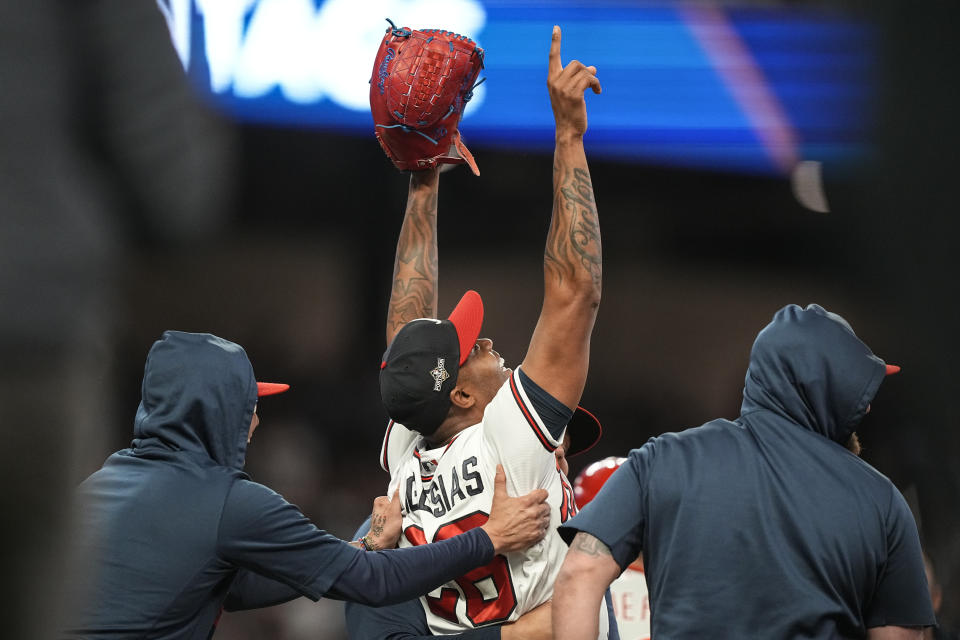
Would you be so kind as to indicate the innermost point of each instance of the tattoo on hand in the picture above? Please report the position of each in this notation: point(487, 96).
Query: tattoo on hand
point(377, 521)
point(586, 543)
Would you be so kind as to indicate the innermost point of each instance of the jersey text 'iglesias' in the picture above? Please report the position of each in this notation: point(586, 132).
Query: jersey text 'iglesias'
point(447, 490)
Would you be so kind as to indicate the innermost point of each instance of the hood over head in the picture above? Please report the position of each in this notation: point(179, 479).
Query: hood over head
point(198, 395)
point(808, 366)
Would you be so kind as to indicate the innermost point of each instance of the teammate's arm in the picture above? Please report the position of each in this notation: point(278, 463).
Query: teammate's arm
point(262, 532)
point(403, 621)
point(584, 577)
point(902, 594)
point(559, 352)
point(250, 590)
point(414, 291)
point(406, 621)
point(895, 633)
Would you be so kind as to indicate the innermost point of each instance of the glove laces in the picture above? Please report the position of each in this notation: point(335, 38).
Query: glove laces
point(469, 94)
point(400, 33)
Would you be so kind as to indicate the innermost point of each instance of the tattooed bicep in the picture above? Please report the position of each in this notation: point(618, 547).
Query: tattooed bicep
point(586, 543)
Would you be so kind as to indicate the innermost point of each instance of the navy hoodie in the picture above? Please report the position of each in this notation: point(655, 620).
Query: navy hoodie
point(767, 526)
point(174, 530)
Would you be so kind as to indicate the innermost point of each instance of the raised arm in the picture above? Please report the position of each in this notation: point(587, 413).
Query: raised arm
point(414, 291)
point(895, 633)
point(559, 352)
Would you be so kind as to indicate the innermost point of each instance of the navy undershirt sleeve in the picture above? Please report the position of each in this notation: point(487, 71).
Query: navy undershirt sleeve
point(387, 577)
point(555, 414)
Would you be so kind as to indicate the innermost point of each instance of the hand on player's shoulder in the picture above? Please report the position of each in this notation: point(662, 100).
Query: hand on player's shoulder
point(518, 523)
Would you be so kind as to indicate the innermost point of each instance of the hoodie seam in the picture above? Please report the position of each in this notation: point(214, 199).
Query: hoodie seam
point(223, 508)
point(881, 570)
point(886, 524)
point(872, 383)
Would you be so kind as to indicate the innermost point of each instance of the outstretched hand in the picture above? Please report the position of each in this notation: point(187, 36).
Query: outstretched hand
point(566, 85)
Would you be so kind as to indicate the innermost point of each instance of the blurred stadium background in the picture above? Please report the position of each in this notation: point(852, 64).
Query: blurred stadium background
point(210, 166)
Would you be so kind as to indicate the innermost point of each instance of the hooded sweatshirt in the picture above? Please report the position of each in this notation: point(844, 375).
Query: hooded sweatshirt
point(767, 526)
point(172, 526)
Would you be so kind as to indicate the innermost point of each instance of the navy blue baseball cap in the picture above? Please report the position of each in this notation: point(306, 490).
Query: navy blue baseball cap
point(420, 367)
point(585, 431)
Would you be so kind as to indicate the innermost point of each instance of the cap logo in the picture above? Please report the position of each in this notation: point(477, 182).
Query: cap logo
point(439, 374)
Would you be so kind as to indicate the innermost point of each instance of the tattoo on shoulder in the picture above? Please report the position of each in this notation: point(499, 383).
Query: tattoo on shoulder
point(586, 543)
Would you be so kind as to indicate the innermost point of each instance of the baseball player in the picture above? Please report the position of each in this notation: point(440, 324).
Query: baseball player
point(456, 409)
point(629, 592)
point(407, 621)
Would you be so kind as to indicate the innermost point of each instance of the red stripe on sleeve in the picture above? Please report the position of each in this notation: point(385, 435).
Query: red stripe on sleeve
point(386, 443)
point(530, 419)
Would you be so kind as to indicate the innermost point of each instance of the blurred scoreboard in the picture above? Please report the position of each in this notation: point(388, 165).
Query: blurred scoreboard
point(718, 86)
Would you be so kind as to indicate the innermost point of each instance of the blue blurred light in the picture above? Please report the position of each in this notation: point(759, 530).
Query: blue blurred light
point(683, 85)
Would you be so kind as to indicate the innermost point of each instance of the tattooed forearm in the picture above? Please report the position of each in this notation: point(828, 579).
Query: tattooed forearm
point(414, 291)
point(573, 251)
point(587, 544)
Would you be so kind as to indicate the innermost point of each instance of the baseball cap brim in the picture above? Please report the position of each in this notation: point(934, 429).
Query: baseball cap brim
point(270, 388)
point(467, 318)
point(585, 431)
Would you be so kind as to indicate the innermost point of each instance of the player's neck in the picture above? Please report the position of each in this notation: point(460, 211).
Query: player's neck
point(449, 430)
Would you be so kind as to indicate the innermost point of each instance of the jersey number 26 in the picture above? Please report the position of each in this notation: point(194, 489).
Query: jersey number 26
point(482, 608)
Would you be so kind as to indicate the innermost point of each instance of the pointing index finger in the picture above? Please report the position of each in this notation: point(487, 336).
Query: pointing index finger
point(555, 65)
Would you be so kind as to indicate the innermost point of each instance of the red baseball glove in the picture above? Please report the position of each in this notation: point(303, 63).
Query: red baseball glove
point(421, 82)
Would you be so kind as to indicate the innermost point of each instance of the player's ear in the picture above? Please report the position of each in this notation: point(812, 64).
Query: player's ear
point(461, 399)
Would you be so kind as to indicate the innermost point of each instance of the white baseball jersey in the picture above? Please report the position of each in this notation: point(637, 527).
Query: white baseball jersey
point(449, 489)
point(631, 605)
